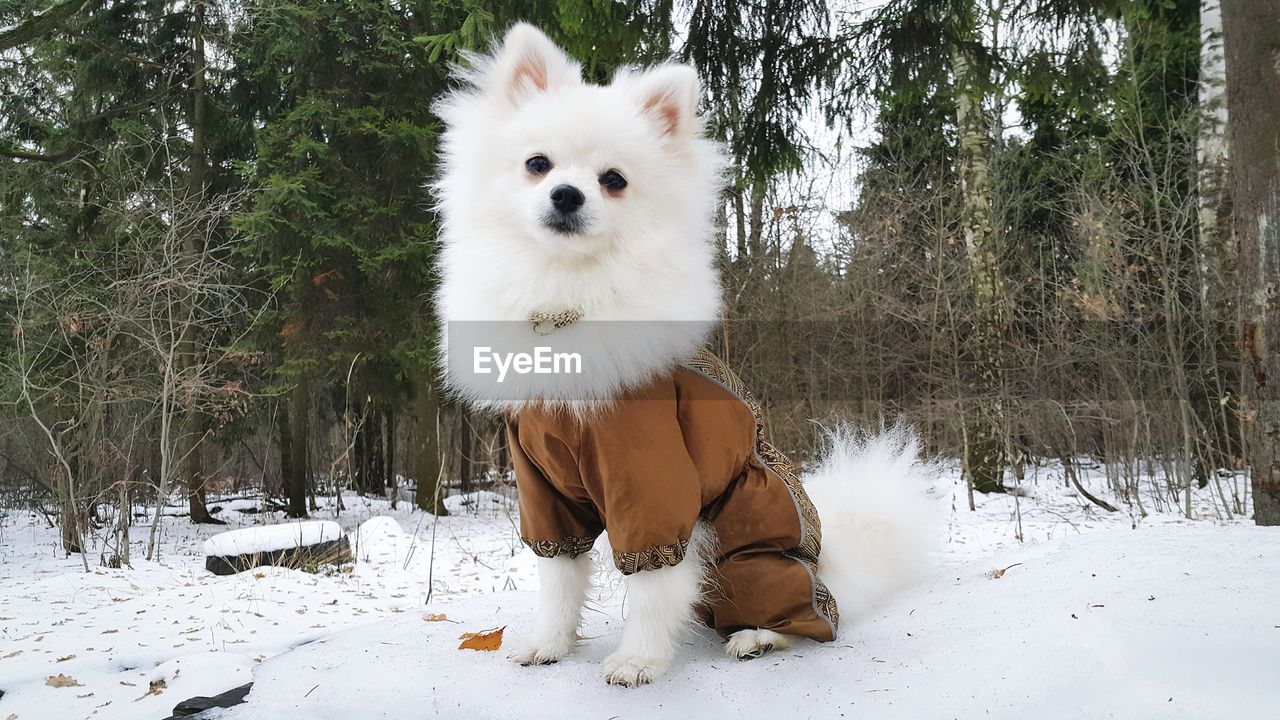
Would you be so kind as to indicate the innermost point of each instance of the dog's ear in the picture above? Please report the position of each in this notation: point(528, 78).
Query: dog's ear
point(668, 94)
point(527, 64)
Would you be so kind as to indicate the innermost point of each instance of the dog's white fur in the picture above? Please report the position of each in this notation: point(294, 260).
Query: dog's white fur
point(646, 258)
point(642, 273)
point(564, 582)
point(878, 526)
point(661, 605)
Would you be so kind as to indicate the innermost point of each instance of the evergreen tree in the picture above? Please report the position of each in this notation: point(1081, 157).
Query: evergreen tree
point(340, 220)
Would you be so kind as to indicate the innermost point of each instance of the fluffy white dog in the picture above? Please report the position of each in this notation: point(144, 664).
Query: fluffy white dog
point(566, 203)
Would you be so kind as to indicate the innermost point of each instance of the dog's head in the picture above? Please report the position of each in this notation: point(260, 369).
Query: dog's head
point(560, 196)
point(576, 169)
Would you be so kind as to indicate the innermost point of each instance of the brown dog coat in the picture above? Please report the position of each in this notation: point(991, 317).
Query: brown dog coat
point(687, 446)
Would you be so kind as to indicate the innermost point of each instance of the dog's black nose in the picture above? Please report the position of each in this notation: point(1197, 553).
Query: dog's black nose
point(567, 199)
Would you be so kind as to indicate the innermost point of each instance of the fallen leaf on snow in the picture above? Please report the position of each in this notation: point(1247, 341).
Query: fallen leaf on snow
point(435, 617)
point(60, 681)
point(484, 641)
point(997, 574)
point(157, 687)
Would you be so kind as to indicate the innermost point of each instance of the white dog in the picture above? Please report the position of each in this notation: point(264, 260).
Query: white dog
point(567, 205)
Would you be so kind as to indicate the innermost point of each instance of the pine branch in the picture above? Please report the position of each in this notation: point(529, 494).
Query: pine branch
point(20, 154)
point(42, 24)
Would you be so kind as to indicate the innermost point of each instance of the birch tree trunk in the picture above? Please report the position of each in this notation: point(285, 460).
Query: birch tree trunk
point(985, 423)
point(1217, 247)
point(1251, 33)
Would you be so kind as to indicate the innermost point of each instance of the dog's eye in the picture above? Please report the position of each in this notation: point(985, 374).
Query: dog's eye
point(538, 165)
point(613, 181)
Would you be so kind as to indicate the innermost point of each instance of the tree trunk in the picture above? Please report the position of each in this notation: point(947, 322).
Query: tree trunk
point(1251, 32)
point(299, 427)
point(755, 238)
point(124, 506)
point(427, 462)
point(740, 219)
point(72, 515)
point(464, 449)
point(1217, 241)
point(389, 455)
point(984, 452)
point(191, 446)
point(198, 100)
point(360, 447)
point(285, 437)
point(389, 480)
point(192, 430)
point(377, 461)
point(504, 452)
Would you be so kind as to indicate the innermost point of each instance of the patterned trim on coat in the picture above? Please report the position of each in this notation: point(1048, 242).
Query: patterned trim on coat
point(571, 546)
point(810, 524)
point(707, 364)
point(654, 558)
point(824, 603)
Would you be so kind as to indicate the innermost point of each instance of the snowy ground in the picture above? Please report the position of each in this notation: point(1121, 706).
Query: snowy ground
point(1094, 617)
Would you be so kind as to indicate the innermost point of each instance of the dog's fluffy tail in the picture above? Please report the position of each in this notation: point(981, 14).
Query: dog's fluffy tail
point(878, 527)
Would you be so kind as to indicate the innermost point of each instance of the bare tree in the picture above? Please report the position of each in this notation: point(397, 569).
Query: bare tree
point(142, 334)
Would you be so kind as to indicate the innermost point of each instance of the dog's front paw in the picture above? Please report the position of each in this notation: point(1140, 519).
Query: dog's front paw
point(544, 650)
point(632, 670)
point(751, 644)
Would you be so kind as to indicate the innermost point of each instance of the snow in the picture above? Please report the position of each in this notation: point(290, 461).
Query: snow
point(283, 536)
point(1107, 625)
point(1097, 615)
point(113, 629)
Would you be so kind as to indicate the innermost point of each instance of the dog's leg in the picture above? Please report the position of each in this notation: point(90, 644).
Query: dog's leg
point(661, 605)
point(564, 591)
point(753, 643)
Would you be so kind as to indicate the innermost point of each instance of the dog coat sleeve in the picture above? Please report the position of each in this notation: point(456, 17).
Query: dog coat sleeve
point(551, 524)
point(638, 471)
